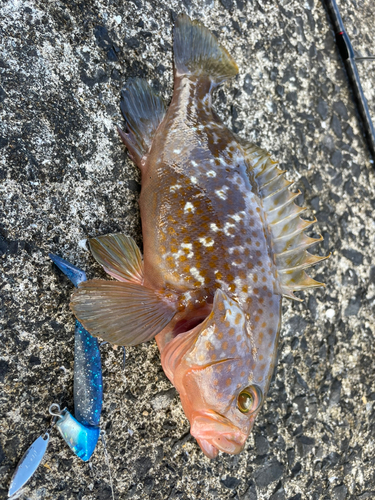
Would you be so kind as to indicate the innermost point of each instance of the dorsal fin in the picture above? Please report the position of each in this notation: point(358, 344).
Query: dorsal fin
point(143, 111)
point(287, 228)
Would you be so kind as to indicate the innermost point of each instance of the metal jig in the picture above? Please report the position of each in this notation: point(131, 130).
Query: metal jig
point(31, 459)
point(28, 463)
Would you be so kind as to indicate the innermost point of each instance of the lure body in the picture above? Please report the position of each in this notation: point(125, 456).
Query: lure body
point(88, 382)
point(223, 242)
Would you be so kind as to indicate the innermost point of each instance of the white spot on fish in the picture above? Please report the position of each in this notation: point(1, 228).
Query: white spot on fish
point(211, 173)
point(239, 248)
point(226, 228)
point(189, 207)
point(236, 265)
point(207, 242)
point(194, 163)
point(174, 188)
point(177, 151)
point(221, 194)
point(214, 227)
point(194, 271)
point(178, 254)
point(194, 180)
point(189, 247)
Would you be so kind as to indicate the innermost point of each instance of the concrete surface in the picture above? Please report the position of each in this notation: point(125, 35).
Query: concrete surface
point(65, 177)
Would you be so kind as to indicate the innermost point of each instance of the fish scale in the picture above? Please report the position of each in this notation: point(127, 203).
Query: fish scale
point(231, 216)
point(223, 242)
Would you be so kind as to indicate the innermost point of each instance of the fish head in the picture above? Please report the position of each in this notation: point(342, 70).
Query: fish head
point(212, 367)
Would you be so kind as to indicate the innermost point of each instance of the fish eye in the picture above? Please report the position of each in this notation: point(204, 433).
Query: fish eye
point(249, 399)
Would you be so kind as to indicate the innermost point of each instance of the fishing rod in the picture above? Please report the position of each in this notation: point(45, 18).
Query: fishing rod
point(348, 57)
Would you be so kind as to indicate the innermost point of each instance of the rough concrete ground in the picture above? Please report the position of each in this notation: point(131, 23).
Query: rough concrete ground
point(65, 177)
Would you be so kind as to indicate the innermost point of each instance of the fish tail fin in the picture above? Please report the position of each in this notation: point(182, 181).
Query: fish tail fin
point(143, 111)
point(197, 52)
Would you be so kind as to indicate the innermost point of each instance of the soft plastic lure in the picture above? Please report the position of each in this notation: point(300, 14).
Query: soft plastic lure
point(82, 432)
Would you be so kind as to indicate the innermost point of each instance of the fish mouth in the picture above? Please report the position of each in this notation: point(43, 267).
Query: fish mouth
point(215, 433)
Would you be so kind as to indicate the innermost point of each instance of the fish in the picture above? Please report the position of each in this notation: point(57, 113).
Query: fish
point(223, 242)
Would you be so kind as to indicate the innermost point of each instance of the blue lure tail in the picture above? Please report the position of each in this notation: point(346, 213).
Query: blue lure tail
point(82, 430)
point(75, 274)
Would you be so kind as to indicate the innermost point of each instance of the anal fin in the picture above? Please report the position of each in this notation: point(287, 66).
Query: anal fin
point(121, 313)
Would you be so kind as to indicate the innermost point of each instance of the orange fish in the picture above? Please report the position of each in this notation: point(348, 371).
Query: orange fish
point(223, 242)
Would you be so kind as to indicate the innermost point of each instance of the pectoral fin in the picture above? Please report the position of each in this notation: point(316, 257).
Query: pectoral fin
point(119, 255)
point(121, 313)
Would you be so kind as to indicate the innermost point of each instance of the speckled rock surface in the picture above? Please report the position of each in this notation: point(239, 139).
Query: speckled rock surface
point(64, 177)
